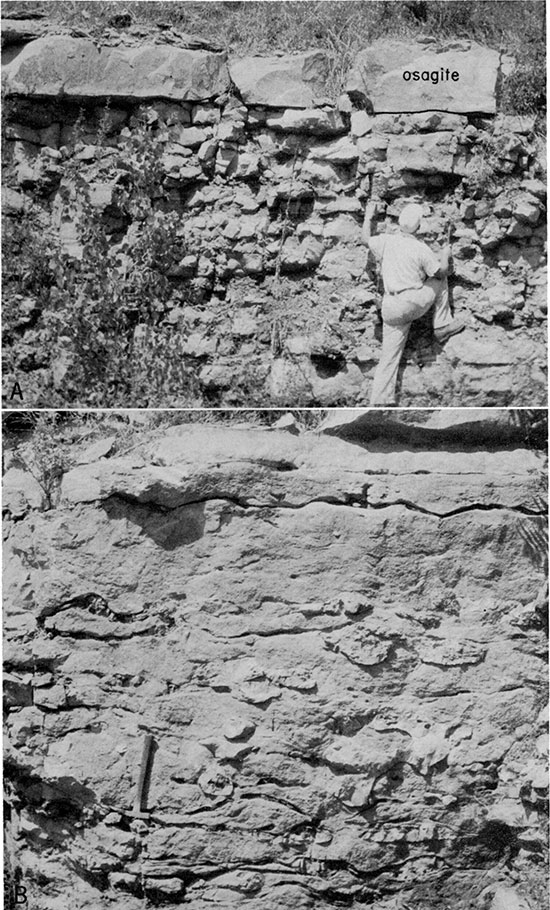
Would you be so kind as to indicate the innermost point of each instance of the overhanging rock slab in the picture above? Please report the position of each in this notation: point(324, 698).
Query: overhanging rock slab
point(19, 31)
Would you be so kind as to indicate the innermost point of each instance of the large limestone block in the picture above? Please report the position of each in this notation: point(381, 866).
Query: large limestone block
point(294, 80)
point(378, 73)
point(509, 899)
point(341, 262)
point(431, 153)
point(301, 256)
point(76, 67)
point(484, 353)
point(340, 151)
point(21, 492)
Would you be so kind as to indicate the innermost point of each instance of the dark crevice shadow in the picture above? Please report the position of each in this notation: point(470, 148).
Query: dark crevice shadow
point(11, 51)
point(169, 528)
point(384, 430)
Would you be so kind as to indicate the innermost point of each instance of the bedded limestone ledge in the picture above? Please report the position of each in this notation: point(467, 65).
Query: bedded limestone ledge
point(75, 67)
point(264, 468)
point(61, 65)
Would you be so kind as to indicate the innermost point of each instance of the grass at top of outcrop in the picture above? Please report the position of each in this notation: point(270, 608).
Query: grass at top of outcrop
point(342, 28)
point(288, 25)
point(261, 27)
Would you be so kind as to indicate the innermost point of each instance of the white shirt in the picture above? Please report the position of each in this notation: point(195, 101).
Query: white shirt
point(406, 261)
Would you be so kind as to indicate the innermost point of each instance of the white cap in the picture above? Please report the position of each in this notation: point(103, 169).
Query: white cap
point(410, 218)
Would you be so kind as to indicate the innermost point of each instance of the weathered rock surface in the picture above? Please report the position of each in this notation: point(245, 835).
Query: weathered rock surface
point(76, 67)
point(431, 154)
point(378, 73)
point(21, 492)
point(336, 646)
point(296, 80)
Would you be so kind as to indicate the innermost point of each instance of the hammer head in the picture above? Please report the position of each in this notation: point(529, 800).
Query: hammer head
point(137, 813)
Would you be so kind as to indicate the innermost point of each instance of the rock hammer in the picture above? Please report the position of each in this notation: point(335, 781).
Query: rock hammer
point(140, 802)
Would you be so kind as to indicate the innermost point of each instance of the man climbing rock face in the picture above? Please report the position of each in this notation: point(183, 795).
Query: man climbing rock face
point(415, 280)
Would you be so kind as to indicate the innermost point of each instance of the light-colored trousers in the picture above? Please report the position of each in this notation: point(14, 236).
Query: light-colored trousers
point(398, 313)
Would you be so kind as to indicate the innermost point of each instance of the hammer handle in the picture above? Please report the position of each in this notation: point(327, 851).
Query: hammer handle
point(140, 802)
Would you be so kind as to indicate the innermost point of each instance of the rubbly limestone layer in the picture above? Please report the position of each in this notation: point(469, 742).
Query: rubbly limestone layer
point(272, 296)
point(337, 648)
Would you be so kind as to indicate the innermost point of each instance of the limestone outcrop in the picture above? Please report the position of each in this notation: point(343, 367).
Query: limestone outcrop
point(295, 81)
point(76, 68)
point(54, 65)
point(337, 647)
point(378, 73)
point(260, 184)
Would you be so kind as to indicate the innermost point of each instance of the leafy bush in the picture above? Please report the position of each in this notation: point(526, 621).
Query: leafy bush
point(104, 310)
point(524, 91)
point(26, 266)
point(45, 454)
point(481, 170)
point(47, 444)
point(27, 278)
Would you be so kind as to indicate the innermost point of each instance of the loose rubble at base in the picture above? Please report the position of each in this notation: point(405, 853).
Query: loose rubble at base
point(252, 148)
point(335, 638)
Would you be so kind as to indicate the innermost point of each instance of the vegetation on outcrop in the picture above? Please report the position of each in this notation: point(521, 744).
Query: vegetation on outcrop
point(183, 251)
point(104, 304)
point(46, 444)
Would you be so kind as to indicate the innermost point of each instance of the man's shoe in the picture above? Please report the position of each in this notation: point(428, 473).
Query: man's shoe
point(452, 328)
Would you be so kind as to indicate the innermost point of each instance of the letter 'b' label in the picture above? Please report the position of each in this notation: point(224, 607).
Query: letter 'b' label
point(20, 895)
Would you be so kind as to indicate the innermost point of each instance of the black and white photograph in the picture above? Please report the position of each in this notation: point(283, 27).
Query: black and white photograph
point(294, 204)
point(275, 455)
point(266, 660)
